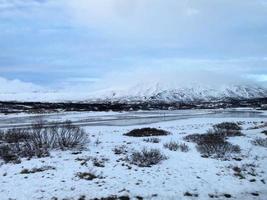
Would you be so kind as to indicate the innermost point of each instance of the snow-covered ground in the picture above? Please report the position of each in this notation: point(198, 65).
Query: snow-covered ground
point(182, 172)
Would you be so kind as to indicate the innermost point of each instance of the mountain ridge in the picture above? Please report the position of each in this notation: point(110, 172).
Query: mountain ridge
point(146, 92)
point(184, 94)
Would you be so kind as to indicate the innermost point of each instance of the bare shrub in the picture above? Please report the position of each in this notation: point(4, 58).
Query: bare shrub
point(7, 154)
point(213, 145)
point(152, 140)
point(15, 145)
point(196, 138)
point(118, 150)
point(205, 138)
point(44, 138)
point(63, 136)
point(146, 132)
point(175, 146)
point(146, 158)
point(183, 147)
point(39, 139)
point(15, 135)
point(24, 149)
point(29, 149)
point(219, 132)
point(14, 138)
point(260, 142)
point(227, 129)
point(70, 136)
point(218, 150)
point(227, 126)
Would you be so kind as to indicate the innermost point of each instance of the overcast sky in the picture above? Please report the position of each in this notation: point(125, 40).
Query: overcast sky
point(59, 43)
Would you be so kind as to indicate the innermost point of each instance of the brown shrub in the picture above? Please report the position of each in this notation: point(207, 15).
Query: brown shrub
point(175, 146)
point(147, 132)
point(146, 158)
point(227, 129)
point(213, 145)
point(39, 139)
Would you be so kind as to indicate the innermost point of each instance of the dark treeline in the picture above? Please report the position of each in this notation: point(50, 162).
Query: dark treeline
point(42, 107)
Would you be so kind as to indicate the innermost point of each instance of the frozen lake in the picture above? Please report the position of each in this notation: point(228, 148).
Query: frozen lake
point(126, 118)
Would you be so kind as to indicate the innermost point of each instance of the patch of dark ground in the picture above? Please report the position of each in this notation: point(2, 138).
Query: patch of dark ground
point(8, 107)
point(147, 132)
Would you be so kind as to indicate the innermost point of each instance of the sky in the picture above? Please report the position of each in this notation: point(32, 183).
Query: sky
point(79, 43)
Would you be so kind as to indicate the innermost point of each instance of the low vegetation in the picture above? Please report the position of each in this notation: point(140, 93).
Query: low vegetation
point(152, 140)
point(227, 129)
point(189, 194)
point(214, 143)
point(36, 170)
point(146, 158)
point(175, 146)
point(86, 176)
point(39, 139)
point(260, 142)
point(264, 132)
point(245, 171)
point(89, 175)
point(115, 197)
point(218, 149)
point(99, 162)
point(227, 126)
point(147, 132)
point(122, 149)
point(7, 154)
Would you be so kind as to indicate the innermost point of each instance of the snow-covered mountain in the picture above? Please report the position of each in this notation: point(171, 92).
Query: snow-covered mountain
point(193, 92)
point(146, 91)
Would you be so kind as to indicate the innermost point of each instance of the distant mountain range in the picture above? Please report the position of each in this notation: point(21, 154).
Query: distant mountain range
point(146, 92)
point(192, 93)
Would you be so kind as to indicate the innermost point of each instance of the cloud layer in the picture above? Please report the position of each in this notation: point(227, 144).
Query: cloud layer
point(195, 22)
point(53, 42)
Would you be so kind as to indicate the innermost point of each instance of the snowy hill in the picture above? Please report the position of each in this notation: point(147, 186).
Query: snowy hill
point(164, 93)
point(146, 91)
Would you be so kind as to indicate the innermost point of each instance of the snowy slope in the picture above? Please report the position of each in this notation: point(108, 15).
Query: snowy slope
point(193, 92)
point(147, 91)
point(208, 93)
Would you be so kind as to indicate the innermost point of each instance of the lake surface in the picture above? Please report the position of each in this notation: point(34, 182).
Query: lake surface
point(126, 118)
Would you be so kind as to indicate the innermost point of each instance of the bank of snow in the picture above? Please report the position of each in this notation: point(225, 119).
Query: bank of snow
point(180, 173)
